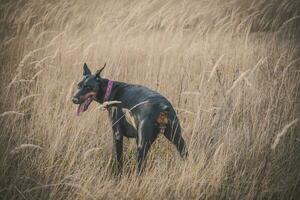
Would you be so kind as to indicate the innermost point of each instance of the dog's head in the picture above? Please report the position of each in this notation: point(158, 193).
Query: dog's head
point(89, 89)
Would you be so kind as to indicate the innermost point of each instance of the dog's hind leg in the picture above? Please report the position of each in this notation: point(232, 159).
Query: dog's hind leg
point(173, 134)
point(146, 136)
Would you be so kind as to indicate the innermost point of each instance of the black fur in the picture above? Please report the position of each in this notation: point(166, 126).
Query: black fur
point(145, 106)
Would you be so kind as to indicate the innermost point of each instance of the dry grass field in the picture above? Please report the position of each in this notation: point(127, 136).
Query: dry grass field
point(229, 67)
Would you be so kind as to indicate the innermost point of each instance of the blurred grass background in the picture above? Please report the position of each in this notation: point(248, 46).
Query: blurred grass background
point(230, 68)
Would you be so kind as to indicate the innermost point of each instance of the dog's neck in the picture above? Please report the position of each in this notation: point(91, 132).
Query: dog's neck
point(109, 90)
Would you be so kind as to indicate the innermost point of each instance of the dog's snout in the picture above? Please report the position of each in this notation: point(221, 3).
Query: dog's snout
point(75, 100)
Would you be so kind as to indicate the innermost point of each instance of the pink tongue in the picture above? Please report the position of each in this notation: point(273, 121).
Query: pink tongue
point(80, 109)
point(84, 106)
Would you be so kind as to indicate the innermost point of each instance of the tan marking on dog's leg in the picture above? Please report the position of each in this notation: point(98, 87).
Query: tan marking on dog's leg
point(162, 120)
point(129, 117)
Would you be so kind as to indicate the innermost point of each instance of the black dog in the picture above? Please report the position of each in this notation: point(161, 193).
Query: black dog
point(141, 113)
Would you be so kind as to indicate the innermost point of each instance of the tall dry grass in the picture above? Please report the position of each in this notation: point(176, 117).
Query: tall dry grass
point(230, 67)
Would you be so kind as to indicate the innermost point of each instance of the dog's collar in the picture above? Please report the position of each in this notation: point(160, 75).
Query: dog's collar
point(108, 90)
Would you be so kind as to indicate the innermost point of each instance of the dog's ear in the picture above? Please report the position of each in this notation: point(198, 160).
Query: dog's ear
point(86, 70)
point(98, 72)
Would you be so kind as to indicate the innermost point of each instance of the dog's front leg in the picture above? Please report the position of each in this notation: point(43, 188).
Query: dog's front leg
point(116, 116)
point(118, 146)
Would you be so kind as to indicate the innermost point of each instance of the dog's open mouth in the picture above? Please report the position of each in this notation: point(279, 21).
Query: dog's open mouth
point(84, 106)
